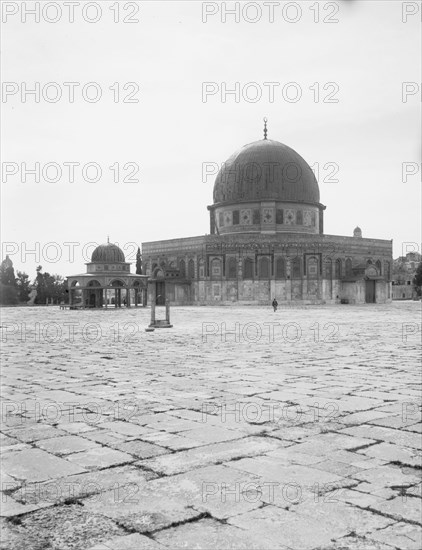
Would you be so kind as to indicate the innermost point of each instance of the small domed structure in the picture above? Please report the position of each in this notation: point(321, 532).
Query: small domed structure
point(357, 232)
point(107, 281)
point(108, 253)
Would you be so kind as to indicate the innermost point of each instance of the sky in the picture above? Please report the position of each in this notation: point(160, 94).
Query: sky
point(155, 116)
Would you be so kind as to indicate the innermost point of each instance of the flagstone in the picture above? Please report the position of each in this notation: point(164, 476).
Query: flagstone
point(37, 465)
point(65, 445)
point(135, 541)
point(99, 457)
point(400, 535)
point(208, 534)
point(200, 456)
point(287, 528)
point(402, 508)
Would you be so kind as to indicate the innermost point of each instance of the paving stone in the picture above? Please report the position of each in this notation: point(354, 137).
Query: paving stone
point(325, 444)
point(172, 441)
point(77, 427)
point(398, 437)
point(356, 543)
point(200, 456)
point(344, 518)
point(208, 534)
point(140, 449)
point(128, 542)
point(10, 507)
point(37, 465)
point(105, 437)
point(402, 508)
point(286, 528)
point(218, 490)
point(400, 535)
point(339, 468)
point(387, 476)
point(141, 510)
point(36, 432)
point(211, 434)
point(63, 527)
point(394, 453)
point(123, 428)
point(66, 444)
point(123, 479)
point(101, 457)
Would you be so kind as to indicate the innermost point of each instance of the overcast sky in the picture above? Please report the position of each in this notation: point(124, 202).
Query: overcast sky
point(369, 133)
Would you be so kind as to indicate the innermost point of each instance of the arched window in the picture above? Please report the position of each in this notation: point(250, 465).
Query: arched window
point(312, 270)
point(369, 262)
point(328, 268)
point(117, 283)
point(182, 268)
point(216, 268)
point(296, 268)
point(378, 266)
point(191, 269)
point(280, 268)
point(248, 269)
point(94, 283)
point(349, 271)
point(337, 269)
point(232, 268)
point(264, 268)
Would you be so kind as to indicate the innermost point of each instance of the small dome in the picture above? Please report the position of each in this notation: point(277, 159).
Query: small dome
point(108, 253)
point(357, 232)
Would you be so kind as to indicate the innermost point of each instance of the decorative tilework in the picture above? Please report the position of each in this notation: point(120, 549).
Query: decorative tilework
point(246, 217)
point(267, 215)
point(307, 217)
point(289, 217)
point(228, 219)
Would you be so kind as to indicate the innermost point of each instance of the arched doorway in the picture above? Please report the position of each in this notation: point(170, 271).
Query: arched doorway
point(95, 294)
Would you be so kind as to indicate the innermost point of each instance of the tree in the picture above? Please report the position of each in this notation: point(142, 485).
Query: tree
point(50, 287)
point(7, 272)
point(417, 280)
point(8, 290)
point(23, 286)
point(139, 262)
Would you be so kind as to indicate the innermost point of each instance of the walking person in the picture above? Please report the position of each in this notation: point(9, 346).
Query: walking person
point(275, 304)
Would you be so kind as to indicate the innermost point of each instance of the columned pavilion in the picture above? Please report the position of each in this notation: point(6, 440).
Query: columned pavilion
point(107, 281)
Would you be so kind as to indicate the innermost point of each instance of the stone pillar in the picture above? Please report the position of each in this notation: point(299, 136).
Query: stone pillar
point(168, 311)
point(115, 297)
point(70, 297)
point(153, 299)
point(128, 297)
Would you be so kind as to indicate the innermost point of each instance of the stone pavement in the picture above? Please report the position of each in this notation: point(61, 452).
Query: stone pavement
point(239, 428)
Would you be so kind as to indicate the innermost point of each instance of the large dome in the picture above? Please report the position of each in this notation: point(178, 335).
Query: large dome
point(266, 170)
point(108, 253)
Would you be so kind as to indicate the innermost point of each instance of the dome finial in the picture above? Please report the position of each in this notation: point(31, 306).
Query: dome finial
point(265, 127)
point(108, 239)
